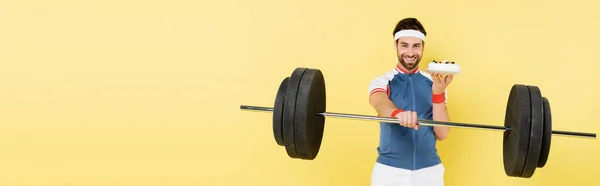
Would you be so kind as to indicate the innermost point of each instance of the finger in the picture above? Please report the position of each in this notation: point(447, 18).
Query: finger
point(415, 119)
point(444, 78)
point(409, 119)
point(450, 77)
point(403, 119)
point(400, 119)
point(436, 77)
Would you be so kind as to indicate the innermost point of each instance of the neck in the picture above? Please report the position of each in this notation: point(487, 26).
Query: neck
point(404, 70)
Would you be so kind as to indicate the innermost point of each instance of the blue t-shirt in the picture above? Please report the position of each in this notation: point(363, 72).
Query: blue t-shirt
point(399, 146)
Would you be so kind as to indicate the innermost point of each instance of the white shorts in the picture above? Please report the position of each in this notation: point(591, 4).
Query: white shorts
point(384, 175)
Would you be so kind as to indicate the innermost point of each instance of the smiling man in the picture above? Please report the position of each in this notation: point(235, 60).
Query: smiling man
point(407, 153)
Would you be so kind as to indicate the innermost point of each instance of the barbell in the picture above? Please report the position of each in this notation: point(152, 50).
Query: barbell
point(299, 118)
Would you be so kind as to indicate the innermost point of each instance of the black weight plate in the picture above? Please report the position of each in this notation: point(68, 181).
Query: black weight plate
point(289, 110)
point(516, 140)
point(547, 134)
point(278, 112)
point(309, 126)
point(537, 132)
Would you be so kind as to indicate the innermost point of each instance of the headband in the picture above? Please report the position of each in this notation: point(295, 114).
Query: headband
point(411, 33)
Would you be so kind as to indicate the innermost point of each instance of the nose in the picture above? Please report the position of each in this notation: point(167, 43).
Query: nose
point(410, 52)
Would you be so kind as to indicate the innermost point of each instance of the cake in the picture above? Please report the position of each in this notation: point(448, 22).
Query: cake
point(443, 67)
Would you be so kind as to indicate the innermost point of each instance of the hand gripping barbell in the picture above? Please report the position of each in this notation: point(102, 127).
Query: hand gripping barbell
point(299, 119)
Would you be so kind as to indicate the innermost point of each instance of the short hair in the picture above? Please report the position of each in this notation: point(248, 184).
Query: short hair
point(409, 23)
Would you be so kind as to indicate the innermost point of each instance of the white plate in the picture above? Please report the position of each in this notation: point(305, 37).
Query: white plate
point(442, 72)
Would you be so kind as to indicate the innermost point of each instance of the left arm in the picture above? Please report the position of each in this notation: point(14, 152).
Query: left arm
point(440, 111)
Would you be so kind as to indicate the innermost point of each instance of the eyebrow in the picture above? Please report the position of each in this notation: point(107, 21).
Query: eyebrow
point(402, 42)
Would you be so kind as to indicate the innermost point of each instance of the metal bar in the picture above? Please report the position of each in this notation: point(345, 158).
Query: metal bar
point(388, 119)
point(580, 134)
point(421, 122)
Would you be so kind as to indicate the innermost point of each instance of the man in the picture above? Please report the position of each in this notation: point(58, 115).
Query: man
point(407, 153)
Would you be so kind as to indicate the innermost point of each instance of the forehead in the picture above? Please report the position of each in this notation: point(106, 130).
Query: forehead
point(409, 40)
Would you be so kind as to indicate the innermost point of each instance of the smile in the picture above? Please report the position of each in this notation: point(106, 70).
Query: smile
point(410, 59)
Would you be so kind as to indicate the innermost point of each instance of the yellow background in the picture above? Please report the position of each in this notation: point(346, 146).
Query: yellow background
point(148, 92)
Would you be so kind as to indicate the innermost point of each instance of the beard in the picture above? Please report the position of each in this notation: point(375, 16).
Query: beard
point(411, 64)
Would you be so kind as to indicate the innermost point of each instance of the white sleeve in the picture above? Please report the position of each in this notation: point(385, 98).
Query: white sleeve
point(380, 84)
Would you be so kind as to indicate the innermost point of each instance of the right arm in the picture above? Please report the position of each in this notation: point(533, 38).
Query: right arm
point(382, 104)
point(380, 101)
point(378, 96)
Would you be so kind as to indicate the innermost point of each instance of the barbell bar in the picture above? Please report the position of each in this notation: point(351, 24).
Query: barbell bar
point(421, 122)
point(299, 113)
